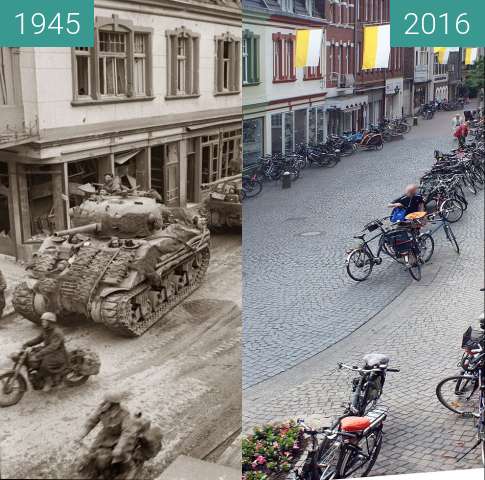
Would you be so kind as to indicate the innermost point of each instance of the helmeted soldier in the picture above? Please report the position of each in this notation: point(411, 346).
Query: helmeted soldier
point(112, 184)
point(114, 419)
point(52, 354)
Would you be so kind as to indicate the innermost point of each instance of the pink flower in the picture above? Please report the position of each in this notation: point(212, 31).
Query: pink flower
point(261, 460)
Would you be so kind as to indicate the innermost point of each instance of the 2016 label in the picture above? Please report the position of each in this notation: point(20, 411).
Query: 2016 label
point(429, 23)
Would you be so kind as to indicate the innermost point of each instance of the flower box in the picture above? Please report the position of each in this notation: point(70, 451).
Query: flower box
point(272, 452)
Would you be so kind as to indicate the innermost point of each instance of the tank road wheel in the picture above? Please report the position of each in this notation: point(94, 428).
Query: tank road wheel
point(121, 313)
point(23, 302)
point(132, 313)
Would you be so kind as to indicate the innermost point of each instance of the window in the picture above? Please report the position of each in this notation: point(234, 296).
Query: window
point(183, 63)
point(140, 64)
point(253, 135)
point(289, 139)
point(83, 71)
point(284, 58)
point(220, 156)
point(309, 5)
point(277, 133)
point(119, 65)
point(288, 6)
point(112, 64)
point(227, 64)
point(250, 58)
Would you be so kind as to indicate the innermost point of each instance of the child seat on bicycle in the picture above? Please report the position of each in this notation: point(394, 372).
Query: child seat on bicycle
point(354, 424)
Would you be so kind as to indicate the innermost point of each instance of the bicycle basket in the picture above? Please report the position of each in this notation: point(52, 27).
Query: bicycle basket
point(401, 241)
point(472, 339)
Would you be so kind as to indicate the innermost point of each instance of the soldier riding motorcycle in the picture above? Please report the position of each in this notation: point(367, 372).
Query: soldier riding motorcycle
point(123, 445)
point(47, 364)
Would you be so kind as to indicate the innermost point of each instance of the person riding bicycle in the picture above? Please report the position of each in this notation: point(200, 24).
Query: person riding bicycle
point(52, 355)
point(410, 202)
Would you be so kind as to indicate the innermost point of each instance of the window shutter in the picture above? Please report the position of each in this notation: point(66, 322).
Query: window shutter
point(173, 64)
point(220, 62)
point(195, 73)
point(189, 84)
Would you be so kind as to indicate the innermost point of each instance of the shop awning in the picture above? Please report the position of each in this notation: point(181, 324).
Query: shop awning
point(346, 104)
point(122, 158)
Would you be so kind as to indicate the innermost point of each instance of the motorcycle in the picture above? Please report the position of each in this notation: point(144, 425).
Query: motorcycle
point(81, 365)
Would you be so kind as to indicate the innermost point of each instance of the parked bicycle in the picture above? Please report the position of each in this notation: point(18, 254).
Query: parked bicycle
point(464, 394)
point(349, 448)
point(402, 242)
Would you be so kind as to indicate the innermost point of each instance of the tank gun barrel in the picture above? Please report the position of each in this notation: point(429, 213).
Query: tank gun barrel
point(91, 228)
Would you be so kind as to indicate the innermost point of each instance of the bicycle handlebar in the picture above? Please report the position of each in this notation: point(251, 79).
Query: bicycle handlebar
point(367, 370)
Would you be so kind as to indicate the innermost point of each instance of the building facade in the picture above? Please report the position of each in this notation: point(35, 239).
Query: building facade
point(157, 101)
point(283, 106)
point(423, 76)
point(383, 87)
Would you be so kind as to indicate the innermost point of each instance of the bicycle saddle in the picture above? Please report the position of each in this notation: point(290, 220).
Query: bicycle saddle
point(373, 360)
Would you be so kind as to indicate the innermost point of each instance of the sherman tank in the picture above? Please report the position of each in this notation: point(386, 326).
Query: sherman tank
point(223, 207)
point(126, 262)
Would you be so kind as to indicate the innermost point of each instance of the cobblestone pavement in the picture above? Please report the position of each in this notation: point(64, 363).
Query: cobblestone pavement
point(419, 325)
point(298, 299)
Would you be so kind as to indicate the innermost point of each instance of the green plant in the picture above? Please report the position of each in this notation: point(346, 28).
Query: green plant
point(475, 76)
point(270, 450)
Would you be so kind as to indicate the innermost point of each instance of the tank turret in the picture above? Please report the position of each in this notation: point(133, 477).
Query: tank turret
point(125, 262)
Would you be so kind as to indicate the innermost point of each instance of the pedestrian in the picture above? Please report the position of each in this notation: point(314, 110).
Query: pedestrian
point(455, 122)
point(464, 134)
point(410, 202)
point(3, 287)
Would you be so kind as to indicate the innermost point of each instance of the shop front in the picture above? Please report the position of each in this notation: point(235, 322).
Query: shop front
point(301, 126)
point(37, 193)
point(375, 110)
point(253, 140)
point(394, 98)
point(346, 114)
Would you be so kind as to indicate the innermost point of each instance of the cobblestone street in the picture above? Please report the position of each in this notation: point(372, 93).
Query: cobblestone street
point(303, 314)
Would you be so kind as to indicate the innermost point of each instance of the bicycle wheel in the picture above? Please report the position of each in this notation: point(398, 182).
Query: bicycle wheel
point(469, 184)
point(426, 247)
point(359, 265)
point(358, 462)
point(386, 136)
point(252, 187)
point(413, 266)
point(451, 238)
point(451, 210)
point(458, 394)
point(328, 460)
point(328, 161)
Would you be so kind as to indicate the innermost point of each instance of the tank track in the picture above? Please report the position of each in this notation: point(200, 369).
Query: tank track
point(116, 307)
point(23, 302)
point(75, 290)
